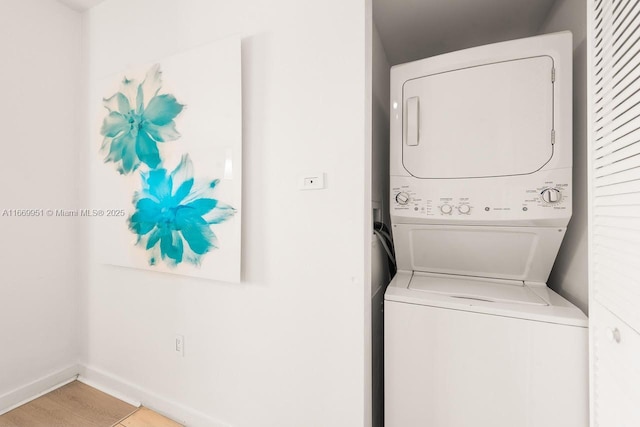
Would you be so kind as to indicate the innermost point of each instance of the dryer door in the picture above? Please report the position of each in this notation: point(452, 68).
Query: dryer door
point(488, 120)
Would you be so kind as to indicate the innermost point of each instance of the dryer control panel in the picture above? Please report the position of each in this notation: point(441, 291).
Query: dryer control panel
point(542, 196)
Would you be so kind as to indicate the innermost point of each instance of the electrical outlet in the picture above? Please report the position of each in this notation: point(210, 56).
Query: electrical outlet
point(179, 347)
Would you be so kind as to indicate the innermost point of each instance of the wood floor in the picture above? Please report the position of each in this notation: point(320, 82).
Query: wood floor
point(145, 417)
point(79, 405)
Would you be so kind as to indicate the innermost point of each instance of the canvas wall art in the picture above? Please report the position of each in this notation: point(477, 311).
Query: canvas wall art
point(170, 154)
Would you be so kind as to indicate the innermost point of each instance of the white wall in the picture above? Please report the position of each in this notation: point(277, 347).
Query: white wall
point(286, 347)
point(569, 274)
point(39, 82)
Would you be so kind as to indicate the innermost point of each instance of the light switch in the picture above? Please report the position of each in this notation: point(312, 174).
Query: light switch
point(312, 181)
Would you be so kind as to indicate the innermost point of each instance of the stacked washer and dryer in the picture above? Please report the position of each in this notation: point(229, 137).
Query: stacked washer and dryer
point(481, 192)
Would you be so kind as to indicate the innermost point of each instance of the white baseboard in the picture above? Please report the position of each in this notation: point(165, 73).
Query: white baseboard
point(37, 388)
point(137, 395)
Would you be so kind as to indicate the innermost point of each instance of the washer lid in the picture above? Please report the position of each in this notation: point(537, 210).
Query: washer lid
point(489, 120)
point(485, 296)
point(525, 254)
point(478, 289)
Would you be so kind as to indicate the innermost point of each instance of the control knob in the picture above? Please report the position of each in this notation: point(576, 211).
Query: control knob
point(551, 195)
point(402, 198)
point(464, 209)
point(446, 209)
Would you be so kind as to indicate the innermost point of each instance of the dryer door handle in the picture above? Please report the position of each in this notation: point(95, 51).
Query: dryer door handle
point(413, 121)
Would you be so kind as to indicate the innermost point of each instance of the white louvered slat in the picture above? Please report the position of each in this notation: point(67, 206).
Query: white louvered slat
point(627, 74)
point(610, 267)
point(619, 200)
point(622, 28)
point(625, 67)
point(625, 96)
point(616, 145)
point(625, 42)
point(622, 112)
point(623, 18)
point(631, 224)
point(616, 296)
point(619, 293)
point(627, 175)
point(621, 9)
point(614, 228)
point(620, 162)
point(625, 251)
point(612, 190)
point(621, 130)
point(629, 290)
point(621, 188)
point(608, 156)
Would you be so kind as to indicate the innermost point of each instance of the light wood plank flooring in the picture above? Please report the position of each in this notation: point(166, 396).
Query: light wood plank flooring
point(79, 405)
point(145, 417)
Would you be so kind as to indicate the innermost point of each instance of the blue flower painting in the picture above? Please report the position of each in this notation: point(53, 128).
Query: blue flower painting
point(160, 162)
point(138, 119)
point(173, 216)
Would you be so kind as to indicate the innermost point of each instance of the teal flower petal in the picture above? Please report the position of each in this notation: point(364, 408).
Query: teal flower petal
point(121, 147)
point(202, 192)
point(139, 99)
point(139, 225)
point(114, 124)
point(164, 133)
point(152, 83)
point(150, 206)
point(116, 148)
point(171, 246)
point(184, 171)
point(117, 103)
point(183, 191)
point(220, 214)
point(129, 159)
point(155, 236)
point(129, 88)
point(200, 207)
point(162, 109)
point(159, 184)
point(148, 214)
point(147, 150)
point(198, 235)
point(105, 143)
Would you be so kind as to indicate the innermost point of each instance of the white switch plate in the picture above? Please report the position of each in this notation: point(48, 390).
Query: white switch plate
point(179, 348)
point(311, 181)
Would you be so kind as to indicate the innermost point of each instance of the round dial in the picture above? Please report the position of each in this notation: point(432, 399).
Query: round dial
point(464, 209)
point(446, 209)
point(551, 195)
point(402, 198)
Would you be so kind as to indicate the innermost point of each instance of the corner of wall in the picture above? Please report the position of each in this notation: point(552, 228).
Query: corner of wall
point(36, 388)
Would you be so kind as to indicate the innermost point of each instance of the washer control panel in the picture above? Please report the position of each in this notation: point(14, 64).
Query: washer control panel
point(406, 199)
point(520, 197)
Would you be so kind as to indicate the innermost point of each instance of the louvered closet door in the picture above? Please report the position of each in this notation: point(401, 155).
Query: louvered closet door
point(615, 212)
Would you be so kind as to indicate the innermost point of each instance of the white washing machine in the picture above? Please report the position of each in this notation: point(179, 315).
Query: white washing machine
point(481, 159)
